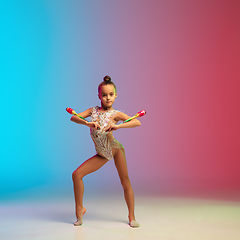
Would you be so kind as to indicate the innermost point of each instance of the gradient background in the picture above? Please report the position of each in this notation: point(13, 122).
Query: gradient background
point(177, 59)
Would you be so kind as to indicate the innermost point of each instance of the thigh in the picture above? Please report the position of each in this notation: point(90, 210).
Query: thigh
point(91, 165)
point(121, 163)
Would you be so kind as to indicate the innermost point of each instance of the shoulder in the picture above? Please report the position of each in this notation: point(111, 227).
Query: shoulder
point(94, 109)
point(86, 113)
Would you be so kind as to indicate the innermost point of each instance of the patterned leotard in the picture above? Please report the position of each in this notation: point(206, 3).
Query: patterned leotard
point(104, 141)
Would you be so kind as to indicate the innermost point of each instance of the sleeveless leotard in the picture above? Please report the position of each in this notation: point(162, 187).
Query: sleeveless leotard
point(104, 141)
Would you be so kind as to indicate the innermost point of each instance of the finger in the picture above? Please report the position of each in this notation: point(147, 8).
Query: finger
point(108, 129)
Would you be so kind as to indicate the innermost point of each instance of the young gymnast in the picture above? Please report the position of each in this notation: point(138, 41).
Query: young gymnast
point(104, 120)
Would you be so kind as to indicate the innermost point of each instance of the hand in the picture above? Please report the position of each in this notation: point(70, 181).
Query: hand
point(94, 125)
point(111, 127)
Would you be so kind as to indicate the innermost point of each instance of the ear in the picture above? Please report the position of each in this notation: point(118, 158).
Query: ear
point(115, 95)
point(99, 96)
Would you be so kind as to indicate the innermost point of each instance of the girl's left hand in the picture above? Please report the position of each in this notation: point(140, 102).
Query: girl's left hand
point(111, 127)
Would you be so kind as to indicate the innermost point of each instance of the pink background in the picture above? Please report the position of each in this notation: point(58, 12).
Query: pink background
point(178, 60)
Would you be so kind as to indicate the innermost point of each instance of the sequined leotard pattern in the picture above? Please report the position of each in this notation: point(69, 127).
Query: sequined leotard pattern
point(104, 141)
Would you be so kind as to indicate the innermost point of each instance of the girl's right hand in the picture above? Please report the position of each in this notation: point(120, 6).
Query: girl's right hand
point(94, 125)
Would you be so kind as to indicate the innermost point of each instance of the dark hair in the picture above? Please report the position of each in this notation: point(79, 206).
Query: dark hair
point(107, 81)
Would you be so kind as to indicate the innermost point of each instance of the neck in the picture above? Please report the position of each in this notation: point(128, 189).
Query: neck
point(104, 108)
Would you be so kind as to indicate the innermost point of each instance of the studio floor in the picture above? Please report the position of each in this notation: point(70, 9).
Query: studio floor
point(162, 217)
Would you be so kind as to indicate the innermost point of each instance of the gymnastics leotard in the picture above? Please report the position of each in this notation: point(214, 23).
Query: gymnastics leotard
point(104, 141)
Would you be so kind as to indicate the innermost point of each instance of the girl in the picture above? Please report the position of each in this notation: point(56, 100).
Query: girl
point(103, 121)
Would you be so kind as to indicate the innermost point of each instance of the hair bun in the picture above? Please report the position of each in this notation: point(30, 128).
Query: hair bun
point(107, 79)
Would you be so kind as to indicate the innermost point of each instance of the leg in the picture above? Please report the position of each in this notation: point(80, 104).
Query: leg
point(121, 165)
point(89, 166)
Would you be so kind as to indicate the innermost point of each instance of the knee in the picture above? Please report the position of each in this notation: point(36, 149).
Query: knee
point(76, 175)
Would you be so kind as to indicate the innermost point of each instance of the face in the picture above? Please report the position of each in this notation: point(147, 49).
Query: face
point(107, 96)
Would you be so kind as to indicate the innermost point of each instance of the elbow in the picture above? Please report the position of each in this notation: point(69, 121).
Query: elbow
point(138, 123)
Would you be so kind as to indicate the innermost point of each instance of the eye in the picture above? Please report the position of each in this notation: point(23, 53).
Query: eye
point(111, 94)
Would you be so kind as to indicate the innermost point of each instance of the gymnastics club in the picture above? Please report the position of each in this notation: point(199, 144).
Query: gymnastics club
point(71, 111)
point(139, 114)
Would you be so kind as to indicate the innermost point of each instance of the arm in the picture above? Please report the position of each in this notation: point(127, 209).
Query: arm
point(130, 124)
point(122, 117)
point(85, 114)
